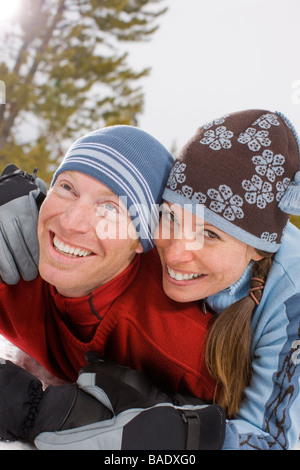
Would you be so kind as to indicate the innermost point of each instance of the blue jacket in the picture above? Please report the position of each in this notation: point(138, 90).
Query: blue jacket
point(269, 416)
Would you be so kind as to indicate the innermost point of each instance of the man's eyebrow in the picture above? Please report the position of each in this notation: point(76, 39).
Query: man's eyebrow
point(105, 192)
point(109, 193)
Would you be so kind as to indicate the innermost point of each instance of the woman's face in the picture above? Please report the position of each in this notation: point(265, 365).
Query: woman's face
point(198, 260)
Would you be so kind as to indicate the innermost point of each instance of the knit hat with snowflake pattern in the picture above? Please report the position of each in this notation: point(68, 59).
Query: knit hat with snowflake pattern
point(244, 169)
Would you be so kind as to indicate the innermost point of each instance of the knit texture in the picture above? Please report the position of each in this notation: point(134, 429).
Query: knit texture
point(132, 163)
point(239, 167)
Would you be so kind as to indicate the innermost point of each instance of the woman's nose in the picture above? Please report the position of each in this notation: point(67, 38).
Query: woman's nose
point(178, 251)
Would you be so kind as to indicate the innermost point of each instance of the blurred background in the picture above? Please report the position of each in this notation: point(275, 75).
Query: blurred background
point(70, 66)
point(213, 57)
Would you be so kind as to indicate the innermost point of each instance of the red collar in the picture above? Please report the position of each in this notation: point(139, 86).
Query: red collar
point(88, 311)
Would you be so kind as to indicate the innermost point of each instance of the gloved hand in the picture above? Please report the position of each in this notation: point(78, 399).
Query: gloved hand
point(26, 410)
point(21, 195)
point(143, 417)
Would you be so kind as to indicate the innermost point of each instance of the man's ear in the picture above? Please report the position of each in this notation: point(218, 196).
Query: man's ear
point(139, 248)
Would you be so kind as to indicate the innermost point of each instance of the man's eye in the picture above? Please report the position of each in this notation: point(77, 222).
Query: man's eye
point(64, 189)
point(108, 210)
point(66, 186)
point(110, 207)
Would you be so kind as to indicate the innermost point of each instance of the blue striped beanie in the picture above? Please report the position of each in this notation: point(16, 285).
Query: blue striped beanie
point(131, 163)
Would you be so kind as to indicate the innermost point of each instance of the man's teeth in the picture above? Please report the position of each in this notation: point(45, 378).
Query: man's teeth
point(182, 277)
point(69, 250)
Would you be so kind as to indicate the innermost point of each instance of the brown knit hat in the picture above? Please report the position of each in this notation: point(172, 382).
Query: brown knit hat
point(244, 169)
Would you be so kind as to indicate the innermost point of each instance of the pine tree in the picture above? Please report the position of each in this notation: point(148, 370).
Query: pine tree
point(65, 74)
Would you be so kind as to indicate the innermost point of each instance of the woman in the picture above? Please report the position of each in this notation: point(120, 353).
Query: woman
point(244, 169)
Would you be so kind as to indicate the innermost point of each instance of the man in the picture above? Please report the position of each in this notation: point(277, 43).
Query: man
point(95, 291)
point(99, 287)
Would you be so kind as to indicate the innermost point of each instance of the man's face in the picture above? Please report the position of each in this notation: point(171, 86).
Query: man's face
point(83, 235)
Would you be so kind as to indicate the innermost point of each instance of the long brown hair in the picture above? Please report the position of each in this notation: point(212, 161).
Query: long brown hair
point(229, 340)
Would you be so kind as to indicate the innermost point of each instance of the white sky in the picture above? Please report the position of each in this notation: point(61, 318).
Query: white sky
point(211, 57)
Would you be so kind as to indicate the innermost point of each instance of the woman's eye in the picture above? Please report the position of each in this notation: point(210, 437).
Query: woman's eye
point(211, 235)
point(169, 216)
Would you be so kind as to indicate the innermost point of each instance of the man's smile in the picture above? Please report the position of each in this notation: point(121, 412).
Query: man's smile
point(69, 250)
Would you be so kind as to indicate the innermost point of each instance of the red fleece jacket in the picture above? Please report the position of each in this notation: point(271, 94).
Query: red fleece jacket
point(130, 320)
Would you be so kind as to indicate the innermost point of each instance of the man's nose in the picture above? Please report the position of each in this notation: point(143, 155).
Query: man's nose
point(77, 218)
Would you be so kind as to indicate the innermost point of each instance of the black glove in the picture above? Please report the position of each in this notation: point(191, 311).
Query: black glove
point(21, 195)
point(144, 418)
point(26, 410)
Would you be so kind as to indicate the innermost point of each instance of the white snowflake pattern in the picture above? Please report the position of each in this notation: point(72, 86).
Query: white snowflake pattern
point(266, 121)
point(269, 164)
point(177, 175)
point(269, 237)
point(197, 197)
point(255, 139)
point(281, 187)
point(220, 138)
point(216, 122)
point(225, 202)
point(258, 192)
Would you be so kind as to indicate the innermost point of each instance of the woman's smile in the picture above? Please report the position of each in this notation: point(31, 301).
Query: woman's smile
point(181, 276)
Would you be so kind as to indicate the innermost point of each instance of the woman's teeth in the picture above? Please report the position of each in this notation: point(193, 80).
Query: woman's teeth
point(69, 250)
point(182, 277)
